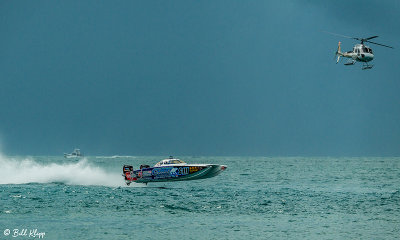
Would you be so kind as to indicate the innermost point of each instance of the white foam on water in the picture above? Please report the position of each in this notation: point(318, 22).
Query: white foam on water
point(27, 170)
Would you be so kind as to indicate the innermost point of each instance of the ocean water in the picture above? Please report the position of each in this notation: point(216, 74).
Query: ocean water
point(255, 198)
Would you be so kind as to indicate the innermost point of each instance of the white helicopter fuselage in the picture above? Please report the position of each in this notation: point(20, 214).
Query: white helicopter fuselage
point(360, 53)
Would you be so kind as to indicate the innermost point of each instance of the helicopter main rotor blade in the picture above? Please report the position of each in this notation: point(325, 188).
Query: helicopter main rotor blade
point(360, 39)
point(370, 38)
point(379, 44)
point(341, 35)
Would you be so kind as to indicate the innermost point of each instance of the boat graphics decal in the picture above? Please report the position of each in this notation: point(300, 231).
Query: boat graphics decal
point(166, 172)
point(147, 173)
point(195, 169)
point(163, 172)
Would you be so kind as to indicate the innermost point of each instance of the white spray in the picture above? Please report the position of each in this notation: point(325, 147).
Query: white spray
point(20, 171)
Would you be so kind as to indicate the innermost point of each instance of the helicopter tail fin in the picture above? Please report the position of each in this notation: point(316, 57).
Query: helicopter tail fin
point(338, 48)
point(338, 53)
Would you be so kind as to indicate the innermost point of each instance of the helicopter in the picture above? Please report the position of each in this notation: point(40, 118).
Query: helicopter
point(360, 53)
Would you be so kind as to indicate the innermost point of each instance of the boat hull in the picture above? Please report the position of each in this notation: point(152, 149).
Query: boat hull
point(172, 173)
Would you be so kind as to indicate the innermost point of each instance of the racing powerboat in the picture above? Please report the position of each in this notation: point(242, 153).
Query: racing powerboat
point(171, 169)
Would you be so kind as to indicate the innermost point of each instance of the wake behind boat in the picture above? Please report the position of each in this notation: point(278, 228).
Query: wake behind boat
point(171, 169)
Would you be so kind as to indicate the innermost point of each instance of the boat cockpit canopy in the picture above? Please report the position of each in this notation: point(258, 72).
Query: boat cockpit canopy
point(169, 161)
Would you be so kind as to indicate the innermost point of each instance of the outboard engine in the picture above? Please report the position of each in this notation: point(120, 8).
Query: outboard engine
point(127, 173)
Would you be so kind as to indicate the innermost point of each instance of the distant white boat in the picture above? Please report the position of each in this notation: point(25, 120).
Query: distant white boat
point(75, 154)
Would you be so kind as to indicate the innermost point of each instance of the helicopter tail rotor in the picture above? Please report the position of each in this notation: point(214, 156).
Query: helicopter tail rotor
point(338, 53)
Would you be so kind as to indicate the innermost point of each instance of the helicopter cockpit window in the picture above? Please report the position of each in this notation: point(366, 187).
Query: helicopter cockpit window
point(364, 49)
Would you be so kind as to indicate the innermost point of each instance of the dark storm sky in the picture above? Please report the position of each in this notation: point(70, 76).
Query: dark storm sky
point(197, 78)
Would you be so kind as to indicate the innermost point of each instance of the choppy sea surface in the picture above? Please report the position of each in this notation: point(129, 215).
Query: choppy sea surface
point(256, 197)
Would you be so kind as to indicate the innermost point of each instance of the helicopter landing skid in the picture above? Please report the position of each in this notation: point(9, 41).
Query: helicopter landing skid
point(366, 66)
point(351, 62)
